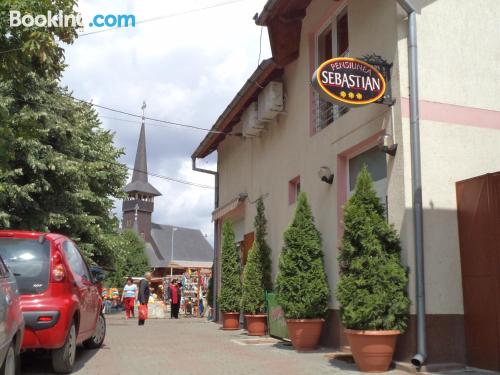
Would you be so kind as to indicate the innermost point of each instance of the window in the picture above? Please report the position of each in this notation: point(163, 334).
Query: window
point(76, 261)
point(293, 190)
point(28, 261)
point(342, 34)
point(375, 161)
point(333, 41)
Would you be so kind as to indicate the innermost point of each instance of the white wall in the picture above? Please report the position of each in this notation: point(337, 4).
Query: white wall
point(450, 50)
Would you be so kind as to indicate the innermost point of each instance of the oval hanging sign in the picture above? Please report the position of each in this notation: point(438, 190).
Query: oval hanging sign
point(349, 81)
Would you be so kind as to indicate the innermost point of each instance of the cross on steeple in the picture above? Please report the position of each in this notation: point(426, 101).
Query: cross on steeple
point(143, 111)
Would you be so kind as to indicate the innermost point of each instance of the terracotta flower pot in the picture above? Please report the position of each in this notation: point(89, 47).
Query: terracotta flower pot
point(305, 333)
point(231, 320)
point(256, 325)
point(372, 350)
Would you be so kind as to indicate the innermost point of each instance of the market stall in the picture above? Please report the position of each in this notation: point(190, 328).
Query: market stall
point(194, 282)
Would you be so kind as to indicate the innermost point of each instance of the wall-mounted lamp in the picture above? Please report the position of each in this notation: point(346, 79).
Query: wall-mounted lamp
point(326, 175)
point(386, 144)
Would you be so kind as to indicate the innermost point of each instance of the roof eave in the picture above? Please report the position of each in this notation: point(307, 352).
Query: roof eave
point(263, 17)
point(131, 188)
point(224, 122)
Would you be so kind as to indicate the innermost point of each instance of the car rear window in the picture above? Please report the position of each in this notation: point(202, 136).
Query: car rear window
point(29, 261)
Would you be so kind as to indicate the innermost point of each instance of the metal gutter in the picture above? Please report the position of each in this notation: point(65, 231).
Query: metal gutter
point(418, 359)
point(263, 71)
point(216, 204)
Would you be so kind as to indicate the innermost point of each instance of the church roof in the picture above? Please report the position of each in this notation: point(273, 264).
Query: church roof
point(190, 245)
point(140, 183)
point(141, 187)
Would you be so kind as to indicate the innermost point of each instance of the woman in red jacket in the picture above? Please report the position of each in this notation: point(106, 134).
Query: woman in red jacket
point(175, 300)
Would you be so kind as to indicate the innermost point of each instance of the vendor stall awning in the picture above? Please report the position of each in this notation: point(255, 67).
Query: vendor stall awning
point(189, 264)
point(229, 207)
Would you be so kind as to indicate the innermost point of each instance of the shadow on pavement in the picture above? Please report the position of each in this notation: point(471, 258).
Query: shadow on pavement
point(287, 346)
point(343, 364)
point(40, 362)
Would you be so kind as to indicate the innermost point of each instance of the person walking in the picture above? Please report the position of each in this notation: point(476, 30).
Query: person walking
point(144, 292)
point(201, 307)
point(175, 300)
point(179, 296)
point(128, 298)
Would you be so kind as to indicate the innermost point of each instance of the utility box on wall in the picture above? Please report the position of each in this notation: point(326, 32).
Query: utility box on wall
point(270, 101)
point(478, 209)
point(252, 126)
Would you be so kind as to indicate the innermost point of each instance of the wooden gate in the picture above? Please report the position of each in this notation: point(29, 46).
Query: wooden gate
point(478, 207)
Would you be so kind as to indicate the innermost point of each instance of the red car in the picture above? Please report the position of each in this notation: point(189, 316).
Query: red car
point(60, 301)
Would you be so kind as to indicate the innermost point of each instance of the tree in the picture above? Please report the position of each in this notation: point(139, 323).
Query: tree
point(264, 251)
point(129, 258)
point(253, 295)
point(301, 285)
point(33, 50)
point(230, 293)
point(372, 286)
point(59, 169)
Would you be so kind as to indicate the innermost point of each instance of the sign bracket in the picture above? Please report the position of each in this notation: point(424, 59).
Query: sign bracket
point(385, 68)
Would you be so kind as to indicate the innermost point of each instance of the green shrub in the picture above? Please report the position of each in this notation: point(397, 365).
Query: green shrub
point(301, 286)
point(260, 224)
point(230, 293)
point(253, 297)
point(372, 287)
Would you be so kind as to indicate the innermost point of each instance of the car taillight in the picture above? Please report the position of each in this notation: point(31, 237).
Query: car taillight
point(45, 319)
point(58, 273)
point(58, 270)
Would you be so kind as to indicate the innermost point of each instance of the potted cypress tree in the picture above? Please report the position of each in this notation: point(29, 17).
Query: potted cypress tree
point(372, 290)
point(301, 285)
point(260, 224)
point(253, 296)
point(230, 293)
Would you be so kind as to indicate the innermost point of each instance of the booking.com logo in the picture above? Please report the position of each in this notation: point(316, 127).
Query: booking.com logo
point(71, 20)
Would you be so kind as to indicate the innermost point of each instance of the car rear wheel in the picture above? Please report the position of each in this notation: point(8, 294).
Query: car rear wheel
point(63, 359)
point(11, 363)
point(97, 339)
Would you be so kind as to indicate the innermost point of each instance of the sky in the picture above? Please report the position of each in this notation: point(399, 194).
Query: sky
point(187, 68)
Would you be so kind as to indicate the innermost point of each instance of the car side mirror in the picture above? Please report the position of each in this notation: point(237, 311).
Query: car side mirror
point(99, 277)
point(98, 274)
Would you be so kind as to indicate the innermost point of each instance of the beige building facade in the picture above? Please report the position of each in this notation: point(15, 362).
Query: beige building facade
point(459, 100)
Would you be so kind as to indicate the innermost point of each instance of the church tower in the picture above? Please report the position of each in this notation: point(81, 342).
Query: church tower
point(139, 204)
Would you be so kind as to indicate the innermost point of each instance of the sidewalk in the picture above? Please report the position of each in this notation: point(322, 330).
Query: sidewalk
point(194, 346)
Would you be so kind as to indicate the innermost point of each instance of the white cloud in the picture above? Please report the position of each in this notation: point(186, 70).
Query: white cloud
point(187, 68)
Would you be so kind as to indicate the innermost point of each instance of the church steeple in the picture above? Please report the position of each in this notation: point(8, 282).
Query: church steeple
point(139, 205)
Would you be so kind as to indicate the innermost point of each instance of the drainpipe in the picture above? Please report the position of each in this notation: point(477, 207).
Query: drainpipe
point(418, 359)
point(216, 244)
